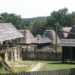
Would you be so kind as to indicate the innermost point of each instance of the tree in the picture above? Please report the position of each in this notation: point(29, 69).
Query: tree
point(57, 16)
point(14, 19)
point(37, 25)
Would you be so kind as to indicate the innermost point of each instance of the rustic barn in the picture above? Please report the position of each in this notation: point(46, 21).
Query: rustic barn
point(68, 49)
point(68, 46)
point(9, 38)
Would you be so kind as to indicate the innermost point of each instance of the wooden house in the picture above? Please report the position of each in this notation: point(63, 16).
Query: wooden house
point(68, 46)
point(9, 38)
point(29, 40)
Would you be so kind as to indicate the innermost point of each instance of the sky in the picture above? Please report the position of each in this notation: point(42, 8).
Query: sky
point(34, 8)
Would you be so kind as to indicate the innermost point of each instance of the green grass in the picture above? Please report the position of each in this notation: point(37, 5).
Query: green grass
point(59, 49)
point(55, 66)
point(47, 65)
point(3, 71)
point(27, 65)
point(27, 62)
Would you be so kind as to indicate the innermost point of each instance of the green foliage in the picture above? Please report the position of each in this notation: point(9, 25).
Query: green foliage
point(14, 19)
point(37, 25)
point(27, 21)
point(57, 17)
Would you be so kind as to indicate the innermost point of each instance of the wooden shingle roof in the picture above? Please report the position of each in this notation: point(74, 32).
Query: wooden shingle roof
point(8, 32)
point(67, 42)
point(42, 39)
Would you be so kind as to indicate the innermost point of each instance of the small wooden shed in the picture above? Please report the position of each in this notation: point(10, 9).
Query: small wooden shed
point(68, 50)
point(68, 46)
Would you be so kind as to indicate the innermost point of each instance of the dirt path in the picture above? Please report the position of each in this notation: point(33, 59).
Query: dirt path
point(37, 67)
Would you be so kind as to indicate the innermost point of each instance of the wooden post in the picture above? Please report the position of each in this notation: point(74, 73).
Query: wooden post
point(18, 53)
point(56, 42)
point(62, 55)
point(15, 54)
point(6, 53)
point(6, 56)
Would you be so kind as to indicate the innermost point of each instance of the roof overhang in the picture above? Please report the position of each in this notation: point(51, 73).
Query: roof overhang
point(67, 42)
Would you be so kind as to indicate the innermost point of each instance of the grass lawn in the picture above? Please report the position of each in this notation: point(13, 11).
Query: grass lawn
point(55, 66)
point(26, 66)
point(47, 65)
point(3, 71)
point(59, 49)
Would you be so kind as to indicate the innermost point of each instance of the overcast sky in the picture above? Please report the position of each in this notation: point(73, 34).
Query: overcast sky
point(34, 8)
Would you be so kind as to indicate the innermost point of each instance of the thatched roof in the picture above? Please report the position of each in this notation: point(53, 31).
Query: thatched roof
point(42, 39)
point(66, 29)
point(8, 32)
point(52, 36)
point(28, 37)
point(72, 36)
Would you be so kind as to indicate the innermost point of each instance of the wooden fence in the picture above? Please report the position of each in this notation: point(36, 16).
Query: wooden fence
point(41, 55)
point(56, 72)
